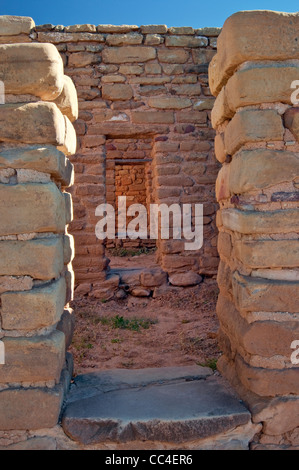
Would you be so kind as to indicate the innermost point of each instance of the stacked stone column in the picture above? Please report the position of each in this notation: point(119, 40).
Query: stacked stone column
point(257, 188)
point(36, 277)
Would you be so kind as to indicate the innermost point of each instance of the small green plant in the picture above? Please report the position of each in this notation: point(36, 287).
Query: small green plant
point(211, 363)
point(133, 324)
point(115, 340)
point(122, 252)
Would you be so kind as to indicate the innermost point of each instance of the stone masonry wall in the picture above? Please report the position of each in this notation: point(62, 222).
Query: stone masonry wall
point(257, 143)
point(36, 277)
point(147, 83)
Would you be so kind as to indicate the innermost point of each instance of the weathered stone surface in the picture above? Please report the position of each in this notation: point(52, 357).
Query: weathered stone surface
point(31, 207)
point(186, 41)
point(15, 25)
point(34, 443)
point(32, 408)
point(43, 158)
point(156, 117)
point(221, 110)
point(266, 382)
point(261, 168)
point(279, 416)
point(79, 28)
point(124, 39)
point(34, 69)
point(69, 146)
point(21, 364)
point(117, 92)
point(112, 28)
point(106, 289)
point(252, 126)
point(220, 149)
point(67, 326)
point(269, 36)
point(250, 222)
point(255, 295)
point(37, 308)
point(259, 83)
point(223, 183)
point(140, 292)
point(40, 259)
point(153, 29)
point(130, 54)
point(161, 413)
point(32, 123)
point(268, 253)
point(173, 56)
point(153, 277)
point(266, 339)
point(185, 279)
point(57, 37)
point(67, 101)
point(15, 283)
point(291, 121)
point(169, 103)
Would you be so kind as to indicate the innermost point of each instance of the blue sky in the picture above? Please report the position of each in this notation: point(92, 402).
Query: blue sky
point(196, 13)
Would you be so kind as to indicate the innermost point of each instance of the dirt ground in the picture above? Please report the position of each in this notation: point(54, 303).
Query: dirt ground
point(179, 328)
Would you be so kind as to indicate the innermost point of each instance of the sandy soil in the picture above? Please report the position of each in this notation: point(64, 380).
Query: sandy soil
point(179, 328)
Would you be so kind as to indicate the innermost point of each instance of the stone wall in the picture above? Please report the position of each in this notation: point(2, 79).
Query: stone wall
point(147, 85)
point(257, 143)
point(36, 277)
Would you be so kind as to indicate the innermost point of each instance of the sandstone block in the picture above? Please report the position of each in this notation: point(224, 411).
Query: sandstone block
point(169, 102)
point(153, 39)
point(131, 69)
point(268, 253)
point(233, 50)
point(37, 308)
point(81, 28)
point(124, 39)
point(68, 248)
point(83, 59)
point(156, 117)
point(187, 279)
point(224, 277)
point(221, 110)
point(67, 101)
point(31, 207)
point(252, 126)
point(223, 183)
point(15, 283)
point(291, 121)
point(186, 41)
point(279, 415)
point(259, 83)
point(266, 339)
point(111, 28)
point(176, 56)
point(32, 408)
point(120, 55)
point(21, 364)
point(261, 168)
point(153, 29)
point(67, 326)
point(34, 69)
point(32, 123)
point(256, 294)
point(45, 158)
point(220, 149)
point(250, 222)
point(266, 382)
point(117, 92)
point(14, 25)
point(56, 37)
point(69, 146)
point(153, 278)
point(40, 259)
